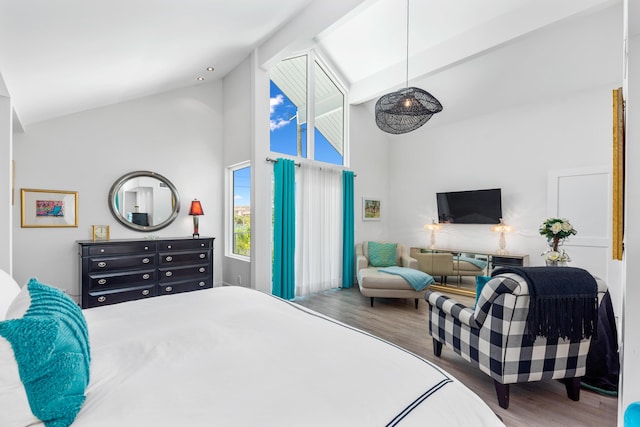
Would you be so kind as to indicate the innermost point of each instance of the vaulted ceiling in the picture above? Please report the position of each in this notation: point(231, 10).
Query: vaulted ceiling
point(58, 57)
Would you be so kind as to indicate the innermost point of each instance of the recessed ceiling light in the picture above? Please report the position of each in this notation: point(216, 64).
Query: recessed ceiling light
point(210, 68)
point(200, 78)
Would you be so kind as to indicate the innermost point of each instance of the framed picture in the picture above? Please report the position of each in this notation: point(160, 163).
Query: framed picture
point(49, 208)
point(371, 209)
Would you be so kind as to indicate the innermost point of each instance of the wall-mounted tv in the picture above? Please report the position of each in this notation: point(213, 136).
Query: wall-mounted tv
point(470, 207)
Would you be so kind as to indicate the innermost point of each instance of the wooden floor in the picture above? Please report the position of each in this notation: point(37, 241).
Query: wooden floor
point(543, 403)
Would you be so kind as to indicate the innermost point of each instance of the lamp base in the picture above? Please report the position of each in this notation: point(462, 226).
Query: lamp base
point(196, 236)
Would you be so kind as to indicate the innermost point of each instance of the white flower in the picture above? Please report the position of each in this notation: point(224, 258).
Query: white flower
point(556, 227)
point(566, 226)
point(553, 256)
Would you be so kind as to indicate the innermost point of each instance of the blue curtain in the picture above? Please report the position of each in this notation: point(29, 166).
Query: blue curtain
point(284, 230)
point(347, 230)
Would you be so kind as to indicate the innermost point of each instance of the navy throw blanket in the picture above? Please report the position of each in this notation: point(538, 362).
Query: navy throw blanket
point(563, 301)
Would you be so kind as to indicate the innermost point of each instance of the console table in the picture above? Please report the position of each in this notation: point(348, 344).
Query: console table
point(115, 271)
point(493, 259)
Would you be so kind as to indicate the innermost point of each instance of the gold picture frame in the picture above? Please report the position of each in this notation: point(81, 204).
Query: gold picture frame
point(617, 216)
point(48, 208)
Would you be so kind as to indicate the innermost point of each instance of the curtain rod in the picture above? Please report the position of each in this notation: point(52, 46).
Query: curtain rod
point(269, 159)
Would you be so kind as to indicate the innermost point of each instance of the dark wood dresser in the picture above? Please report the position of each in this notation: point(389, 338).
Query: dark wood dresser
point(115, 271)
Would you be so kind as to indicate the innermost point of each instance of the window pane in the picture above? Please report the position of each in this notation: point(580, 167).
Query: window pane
point(289, 107)
point(329, 119)
point(242, 211)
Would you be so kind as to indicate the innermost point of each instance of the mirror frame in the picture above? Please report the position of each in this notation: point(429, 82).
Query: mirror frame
point(115, 188)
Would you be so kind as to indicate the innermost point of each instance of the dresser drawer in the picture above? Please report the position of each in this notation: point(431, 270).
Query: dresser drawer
point(110, 249)
point(185, 286)
point(181, 245)
point(102, 281)
point(98, 264)
point(178, 273)
point(98, 298)
point(173, 258)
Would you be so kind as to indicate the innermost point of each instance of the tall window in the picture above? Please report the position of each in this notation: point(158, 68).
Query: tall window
point(305, 95)
point(240, 226)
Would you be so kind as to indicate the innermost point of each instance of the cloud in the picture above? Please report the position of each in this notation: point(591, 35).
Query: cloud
point(274, 102)
point(237, 197)
point(276, 121)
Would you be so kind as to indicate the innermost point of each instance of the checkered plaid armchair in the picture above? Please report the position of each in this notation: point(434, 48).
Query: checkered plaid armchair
point(492, 337)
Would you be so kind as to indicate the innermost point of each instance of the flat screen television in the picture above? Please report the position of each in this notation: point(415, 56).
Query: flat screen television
point(470, 207)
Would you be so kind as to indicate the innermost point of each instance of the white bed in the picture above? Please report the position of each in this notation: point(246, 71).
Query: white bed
point(232, 356)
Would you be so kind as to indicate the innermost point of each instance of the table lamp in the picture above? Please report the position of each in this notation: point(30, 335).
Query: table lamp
point(502, 228)
point(196, 211)
point(433, 227)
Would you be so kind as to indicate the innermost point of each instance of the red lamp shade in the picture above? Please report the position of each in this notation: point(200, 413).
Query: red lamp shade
point(196, 208)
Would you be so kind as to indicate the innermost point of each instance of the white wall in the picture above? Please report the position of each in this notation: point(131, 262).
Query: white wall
point(237, 139)
point(177, 134)
point(6, 157)
point(631, 315)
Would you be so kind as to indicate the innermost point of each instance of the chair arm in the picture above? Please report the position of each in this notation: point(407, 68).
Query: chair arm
point(409, 262)
point(452, 308)
point(361, 262)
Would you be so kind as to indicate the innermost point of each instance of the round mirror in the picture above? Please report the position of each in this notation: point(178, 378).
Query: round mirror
point(144, 201)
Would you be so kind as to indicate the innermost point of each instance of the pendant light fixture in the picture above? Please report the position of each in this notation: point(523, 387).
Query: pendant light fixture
point(406, 109)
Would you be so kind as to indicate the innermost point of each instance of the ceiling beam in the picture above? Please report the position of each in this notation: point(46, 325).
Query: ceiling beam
point(298, 34)
point(466, 46)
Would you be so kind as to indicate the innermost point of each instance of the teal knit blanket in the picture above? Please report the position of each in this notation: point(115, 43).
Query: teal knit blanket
point(416, 278)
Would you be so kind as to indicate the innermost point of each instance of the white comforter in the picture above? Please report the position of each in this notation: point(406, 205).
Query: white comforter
point(232, 356)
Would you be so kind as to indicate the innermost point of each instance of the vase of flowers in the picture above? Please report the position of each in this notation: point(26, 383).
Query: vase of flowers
point(556, 230)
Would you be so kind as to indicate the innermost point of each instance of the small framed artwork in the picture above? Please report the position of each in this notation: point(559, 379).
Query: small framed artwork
point(48, 208)
point(371, 209)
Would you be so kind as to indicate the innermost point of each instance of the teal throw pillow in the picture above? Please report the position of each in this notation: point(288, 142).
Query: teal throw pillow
point(480, 282)
point(382, 254)
point(51, 346)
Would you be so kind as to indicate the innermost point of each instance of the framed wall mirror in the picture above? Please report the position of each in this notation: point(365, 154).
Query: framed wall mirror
point(144, 201)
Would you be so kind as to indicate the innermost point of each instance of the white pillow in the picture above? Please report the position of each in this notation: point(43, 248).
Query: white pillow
point(8, 291)
point(14, 405)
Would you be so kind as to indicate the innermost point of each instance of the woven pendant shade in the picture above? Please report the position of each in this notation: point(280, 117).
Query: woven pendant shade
point(405, 110)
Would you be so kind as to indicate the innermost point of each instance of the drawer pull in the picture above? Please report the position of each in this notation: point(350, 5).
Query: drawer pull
point(146, 248)
point(145, 292)
point(146, 260)
point(102, 264)
point(102, 299)
point(202, 269)
point(168, 246)
point(201, 284)
point(102, 250)
point(102, 281)
point(168, 274)
point(202, 245)
point(203, 256)
point(168, 289)
point(169, 258)
point(145, 276)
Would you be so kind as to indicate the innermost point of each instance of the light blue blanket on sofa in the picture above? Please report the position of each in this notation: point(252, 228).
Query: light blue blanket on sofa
point(416, 278)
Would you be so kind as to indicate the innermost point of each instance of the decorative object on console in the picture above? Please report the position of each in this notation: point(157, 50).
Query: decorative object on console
point(196, 211)
point(432, 227)
point(502, 228)
point(556, 230)
point(407, 109)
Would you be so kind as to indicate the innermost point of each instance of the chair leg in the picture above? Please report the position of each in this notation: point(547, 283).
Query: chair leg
point(416, 303)
point(573, 388)
point(371, 301)
point(437, 347)
point(502, 390)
